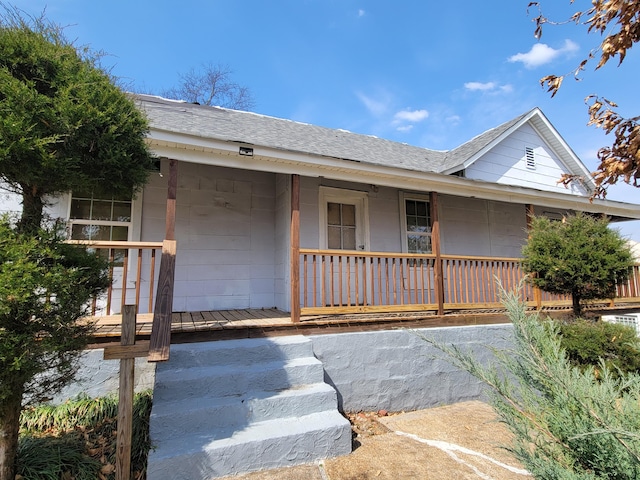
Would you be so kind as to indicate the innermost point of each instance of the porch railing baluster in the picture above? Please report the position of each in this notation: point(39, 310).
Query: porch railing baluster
point(410, 279)
point(122, 263)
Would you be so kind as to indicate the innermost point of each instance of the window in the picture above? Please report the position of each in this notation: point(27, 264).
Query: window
point(416, 216)
point(341, 226)
point(93, 218)
point(530, 157)
point(101, 219)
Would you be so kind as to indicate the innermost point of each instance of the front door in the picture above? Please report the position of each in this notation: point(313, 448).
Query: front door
point(344, 226)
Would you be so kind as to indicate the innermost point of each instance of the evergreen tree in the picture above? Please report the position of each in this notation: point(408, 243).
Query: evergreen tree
point(45, 286)
point(580, 256)
point(64, 125)
point(568, 424)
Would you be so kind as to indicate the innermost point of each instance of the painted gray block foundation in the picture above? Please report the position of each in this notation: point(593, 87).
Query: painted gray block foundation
point(270, 403)
point(97, 377)
point(396, 370)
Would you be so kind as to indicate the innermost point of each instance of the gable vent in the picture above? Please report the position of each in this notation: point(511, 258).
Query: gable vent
point(530, 157)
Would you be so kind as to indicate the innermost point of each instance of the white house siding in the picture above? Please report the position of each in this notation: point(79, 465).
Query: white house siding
point(470, 226)
point(225, 231)
point(506, 164)
point(282, 242)
point(384, 222)
point(10, 203)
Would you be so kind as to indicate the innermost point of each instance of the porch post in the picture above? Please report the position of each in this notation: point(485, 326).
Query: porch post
point(537, 294)
point(295, 248)
point(160, 340)
point(435, 244)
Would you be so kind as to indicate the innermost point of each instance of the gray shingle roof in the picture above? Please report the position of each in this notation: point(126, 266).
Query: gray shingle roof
point(456, 158)
point(260, 130)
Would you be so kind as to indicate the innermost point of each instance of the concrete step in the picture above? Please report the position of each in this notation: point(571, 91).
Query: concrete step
point(225, 381)
point(261, 445)
point(238, 352)
point(184, 417)
point(228, 407)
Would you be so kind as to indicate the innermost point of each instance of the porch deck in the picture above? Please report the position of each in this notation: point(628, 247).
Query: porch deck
point(247, 323)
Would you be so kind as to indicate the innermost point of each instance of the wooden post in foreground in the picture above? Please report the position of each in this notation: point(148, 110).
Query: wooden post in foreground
point(161, 329)
point(435, 245)
point(126, 352)
point(295, 248)
point(125, 401)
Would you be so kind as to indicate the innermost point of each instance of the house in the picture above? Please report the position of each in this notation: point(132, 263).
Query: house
point(266, 213)
point(276, 213)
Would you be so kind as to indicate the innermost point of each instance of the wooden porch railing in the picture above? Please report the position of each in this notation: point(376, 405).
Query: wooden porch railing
point(339, 281)
point(133, 265)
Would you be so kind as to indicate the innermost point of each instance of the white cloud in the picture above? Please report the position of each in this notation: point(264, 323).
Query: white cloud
point(541, 54)
point(489, 87)
point(404, 119)
point(375, 107)
point(473, 86)
point(453, 119)
point(410, 116)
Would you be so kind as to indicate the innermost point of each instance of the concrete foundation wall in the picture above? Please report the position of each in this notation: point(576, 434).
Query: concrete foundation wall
point(97, 377)
point(396, 370)
point(392, 370)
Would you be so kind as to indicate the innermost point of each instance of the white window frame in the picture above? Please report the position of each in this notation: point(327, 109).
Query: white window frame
point(134, 225)
point(133, 234)
point(404, 196)
point(352, 197)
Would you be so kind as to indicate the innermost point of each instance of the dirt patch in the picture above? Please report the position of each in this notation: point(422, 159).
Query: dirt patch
point(456, 442)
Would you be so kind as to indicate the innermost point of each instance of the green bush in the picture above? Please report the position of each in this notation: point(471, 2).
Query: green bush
point(77, 439)
point(587, 342)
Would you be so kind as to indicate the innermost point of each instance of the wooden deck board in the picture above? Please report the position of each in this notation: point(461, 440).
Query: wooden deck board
point(260, 322)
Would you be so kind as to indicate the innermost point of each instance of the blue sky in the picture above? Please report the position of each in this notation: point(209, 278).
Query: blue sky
point(432, 74)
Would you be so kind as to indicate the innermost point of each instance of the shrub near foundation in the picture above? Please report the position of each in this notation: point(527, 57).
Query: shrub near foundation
point(77, 439)
point(587, 342)
point(567, 424)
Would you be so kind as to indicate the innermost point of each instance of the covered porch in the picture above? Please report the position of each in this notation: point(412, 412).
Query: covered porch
point(343, 291)
point(331, 287)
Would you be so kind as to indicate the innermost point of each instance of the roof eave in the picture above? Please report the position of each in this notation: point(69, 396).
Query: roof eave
point(267, 159)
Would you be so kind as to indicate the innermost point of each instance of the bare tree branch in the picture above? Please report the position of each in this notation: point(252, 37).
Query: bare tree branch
point(212, 85)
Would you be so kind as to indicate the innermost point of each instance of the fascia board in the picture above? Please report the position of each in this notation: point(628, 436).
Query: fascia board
point(471, 160)
point(566, 154)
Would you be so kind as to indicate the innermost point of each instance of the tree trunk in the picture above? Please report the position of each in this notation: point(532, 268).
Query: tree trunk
point(9, 425)
point(577, 308)
point(32, 210)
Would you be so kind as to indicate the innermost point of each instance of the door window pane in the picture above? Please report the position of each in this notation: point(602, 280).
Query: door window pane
point(334, 237)
point(341, 226)
point(333, 213)
point(349, 238)
point(349, 215)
